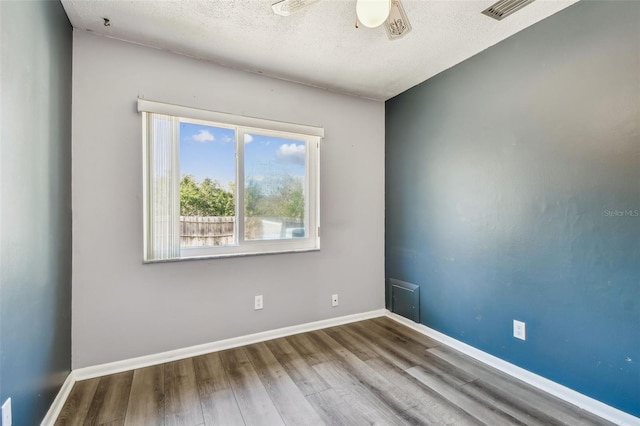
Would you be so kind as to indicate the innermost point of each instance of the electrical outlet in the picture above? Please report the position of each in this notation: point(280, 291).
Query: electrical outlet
point(258, 302)
point(6, 413)
point(334, 300)
point(519, 330)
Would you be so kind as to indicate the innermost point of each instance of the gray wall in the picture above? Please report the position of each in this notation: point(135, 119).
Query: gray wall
point(122, 308)
point(513, 192)
point(35, 200)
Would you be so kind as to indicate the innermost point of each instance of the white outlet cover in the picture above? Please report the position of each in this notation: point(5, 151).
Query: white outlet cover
point(6, 413)
point(258, 303)
point(519, 330)
point(334, 300)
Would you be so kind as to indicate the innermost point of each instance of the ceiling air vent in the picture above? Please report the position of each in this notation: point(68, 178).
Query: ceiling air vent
point(504, 8)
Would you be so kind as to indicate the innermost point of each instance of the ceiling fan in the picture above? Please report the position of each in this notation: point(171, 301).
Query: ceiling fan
point(370, 13)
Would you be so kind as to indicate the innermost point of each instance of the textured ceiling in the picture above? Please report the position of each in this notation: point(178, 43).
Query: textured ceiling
point(318, 45)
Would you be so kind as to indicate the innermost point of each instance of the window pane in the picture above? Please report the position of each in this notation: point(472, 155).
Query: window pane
point(207, 185)
point(275, 189)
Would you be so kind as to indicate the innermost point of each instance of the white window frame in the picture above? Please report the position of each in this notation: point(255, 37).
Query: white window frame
point(311, 135)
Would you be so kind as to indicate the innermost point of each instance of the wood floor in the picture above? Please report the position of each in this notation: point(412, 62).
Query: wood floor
point(370, 372)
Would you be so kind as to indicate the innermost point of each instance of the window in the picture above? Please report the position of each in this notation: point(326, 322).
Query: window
point(217, 184)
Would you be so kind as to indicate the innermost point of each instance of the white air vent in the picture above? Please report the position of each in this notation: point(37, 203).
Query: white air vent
point(504, 8)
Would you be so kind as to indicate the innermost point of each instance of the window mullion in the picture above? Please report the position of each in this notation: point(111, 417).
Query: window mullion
point(240, 208)
point(175, 179)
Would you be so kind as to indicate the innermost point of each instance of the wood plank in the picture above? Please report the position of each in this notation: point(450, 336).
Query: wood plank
point(77, 405)
point(358, 396)
point(96, 402)
point(118, 422)
point(286, 396)
point(477, 409)
point(387, 393)
point(116, 399)
point(402, 331)
point(305, 377)
point(406, 351)
point(110, 400)
point(182, 401)
point(219, 405)
point(308, 350)
point(502, 383)
point(146, 402)
point(420, 415)
point(395, 353)
point(254, 401)
point(501, 401)
point(352, 342)
point(431, 407)
point(381, 332)
point(334, 410)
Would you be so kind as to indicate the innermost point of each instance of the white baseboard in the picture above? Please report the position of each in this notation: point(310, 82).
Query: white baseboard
point(159, 358)
point(589, 404)
point(569, 395)
point(58, 403)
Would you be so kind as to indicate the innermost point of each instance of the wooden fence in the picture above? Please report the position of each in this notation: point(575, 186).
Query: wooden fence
point(200, 231)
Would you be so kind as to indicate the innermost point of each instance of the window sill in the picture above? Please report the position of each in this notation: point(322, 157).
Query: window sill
point(229, 255)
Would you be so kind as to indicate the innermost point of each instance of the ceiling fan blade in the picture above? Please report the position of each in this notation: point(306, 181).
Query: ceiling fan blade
point(397, 25)
point(287, 7)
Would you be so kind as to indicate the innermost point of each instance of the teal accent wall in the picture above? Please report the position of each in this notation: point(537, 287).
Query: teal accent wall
point(513, 192)
point(35, 202)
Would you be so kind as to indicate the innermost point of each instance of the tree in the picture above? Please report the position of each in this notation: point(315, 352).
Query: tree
point(253, 198)
point(206, 198)
point(276, 196)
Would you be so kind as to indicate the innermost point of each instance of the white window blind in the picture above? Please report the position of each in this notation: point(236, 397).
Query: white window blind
point(162, 186)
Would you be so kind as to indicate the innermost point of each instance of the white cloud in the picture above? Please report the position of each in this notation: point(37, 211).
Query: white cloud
point(292, 153)
point(248, 138)
point(203, 136)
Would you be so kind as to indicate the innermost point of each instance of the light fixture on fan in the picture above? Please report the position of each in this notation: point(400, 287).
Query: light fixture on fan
point(372, 13)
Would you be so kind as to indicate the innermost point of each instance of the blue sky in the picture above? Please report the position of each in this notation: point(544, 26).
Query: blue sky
point(207, 151)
